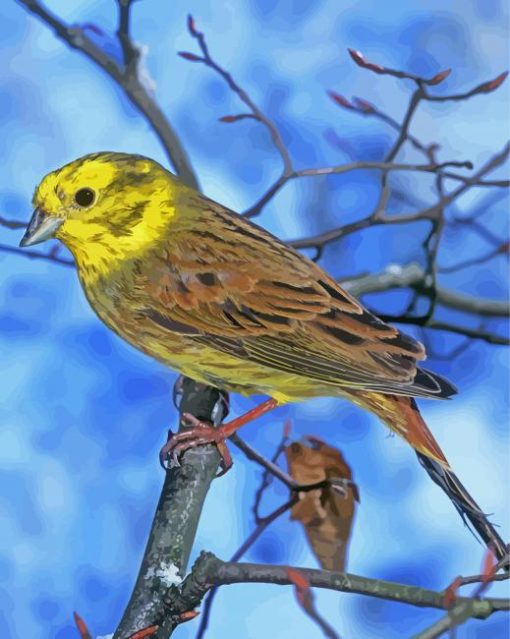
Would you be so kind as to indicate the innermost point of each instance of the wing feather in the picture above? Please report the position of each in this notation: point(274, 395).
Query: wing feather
point(224, 282)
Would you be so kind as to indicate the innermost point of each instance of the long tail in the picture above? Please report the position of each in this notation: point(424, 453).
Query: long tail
point(401, 414)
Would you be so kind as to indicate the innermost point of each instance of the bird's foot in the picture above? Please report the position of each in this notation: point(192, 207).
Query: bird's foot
point(199, 433)
point(202, 433)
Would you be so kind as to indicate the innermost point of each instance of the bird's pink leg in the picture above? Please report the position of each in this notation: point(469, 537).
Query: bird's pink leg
point(202, 433)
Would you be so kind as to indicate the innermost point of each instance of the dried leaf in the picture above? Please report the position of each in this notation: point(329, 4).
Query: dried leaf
point(82, 626)
point(326, 513)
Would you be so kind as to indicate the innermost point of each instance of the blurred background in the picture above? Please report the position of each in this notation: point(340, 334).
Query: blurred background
point(83, 415)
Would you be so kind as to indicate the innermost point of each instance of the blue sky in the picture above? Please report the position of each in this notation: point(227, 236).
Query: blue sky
point(84, 414)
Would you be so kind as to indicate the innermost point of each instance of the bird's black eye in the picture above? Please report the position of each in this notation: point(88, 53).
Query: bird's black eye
point(84, 197)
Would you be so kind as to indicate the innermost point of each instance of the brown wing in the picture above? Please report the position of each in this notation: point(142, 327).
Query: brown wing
point(225, 282)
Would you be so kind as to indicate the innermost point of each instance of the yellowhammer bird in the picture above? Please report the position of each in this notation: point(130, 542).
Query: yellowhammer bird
point(212, 295)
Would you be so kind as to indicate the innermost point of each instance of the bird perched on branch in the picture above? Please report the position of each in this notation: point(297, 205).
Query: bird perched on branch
point(214, 296)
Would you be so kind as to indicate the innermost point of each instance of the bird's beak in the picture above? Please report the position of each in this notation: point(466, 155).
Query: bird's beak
point(41, 227)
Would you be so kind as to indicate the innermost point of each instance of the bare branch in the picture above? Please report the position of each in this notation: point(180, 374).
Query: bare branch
point(361, 61)
point(503, 249)
point(475, 333)
point(384, 166)
point(36, 255)
point(130, 52)
point(429, 213)
point(210, 571)
point(129, 82)
point(412, 276)
point(485, 87)
point(12, 224)
point(255, 112)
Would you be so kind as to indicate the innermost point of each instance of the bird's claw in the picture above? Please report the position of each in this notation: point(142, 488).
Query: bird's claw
point(199, 433)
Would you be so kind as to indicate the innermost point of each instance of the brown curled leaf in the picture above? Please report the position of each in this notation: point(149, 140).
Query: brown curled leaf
point(326, 513)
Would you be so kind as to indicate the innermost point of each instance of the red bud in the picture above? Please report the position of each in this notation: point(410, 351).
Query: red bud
point(287, 427)
point(450, 594)
point(191, 25)
point(359, 59)
point(340, 100)
point(437, 79)
point(82, 626)
point(363, 105)
point(488, 566)
point(302, 585)
point(192, 57)
point(146, 632)
point(188, 616)
point(487, 87)
point(298, 578)
point(229, 118)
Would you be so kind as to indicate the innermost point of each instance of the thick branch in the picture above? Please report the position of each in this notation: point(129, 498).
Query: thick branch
point(175, 522)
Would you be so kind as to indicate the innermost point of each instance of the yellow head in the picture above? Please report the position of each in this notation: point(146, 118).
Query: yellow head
point(102, 204)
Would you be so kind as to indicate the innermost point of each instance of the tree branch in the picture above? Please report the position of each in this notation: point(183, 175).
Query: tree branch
point(175, 522)
point(209, 571)
point(413, 276)
point(126, 78)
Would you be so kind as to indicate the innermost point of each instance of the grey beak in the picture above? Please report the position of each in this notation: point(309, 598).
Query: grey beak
point(41, 227)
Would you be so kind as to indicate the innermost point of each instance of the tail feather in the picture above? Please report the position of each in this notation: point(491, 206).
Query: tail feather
point(466, 506)
point(435, 385)
point(401, 414)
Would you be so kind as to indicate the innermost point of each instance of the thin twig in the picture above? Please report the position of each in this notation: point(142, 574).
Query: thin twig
point(255, 112)
point(36, 255)
point(209, 571)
